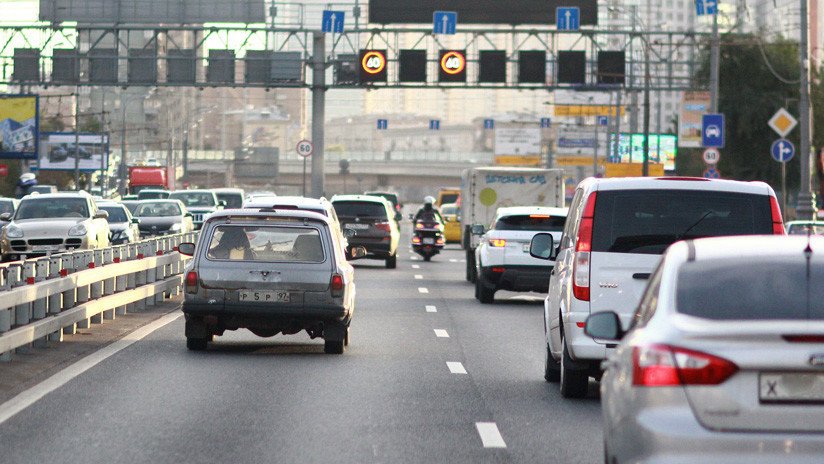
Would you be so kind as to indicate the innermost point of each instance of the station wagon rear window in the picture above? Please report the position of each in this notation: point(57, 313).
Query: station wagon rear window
point(648, 221)
point(752, 289)
point(266, 243)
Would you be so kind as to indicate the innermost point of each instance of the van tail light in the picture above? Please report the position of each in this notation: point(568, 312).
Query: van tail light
point(777, 220)
point(583, 248)
point(191, 282)
point(336, 285)
point(384, 226)
point(668, 366)
point(497, 242)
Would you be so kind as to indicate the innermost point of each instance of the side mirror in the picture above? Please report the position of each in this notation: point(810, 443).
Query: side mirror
point(542, 246)
point(135, 220)
point(101, 215)
point(605, 325)
point(356, 253)
point(5, 217)
point(187, 249)
point(188, 215)
point(478, 229)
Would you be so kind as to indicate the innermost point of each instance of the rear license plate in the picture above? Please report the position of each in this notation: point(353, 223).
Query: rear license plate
point(264, 297)
point(44, 248)
point(791, 388)
point(428, 241)
point(356, 226)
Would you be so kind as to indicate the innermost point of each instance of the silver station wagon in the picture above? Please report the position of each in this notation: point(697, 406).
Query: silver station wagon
point(272, 271)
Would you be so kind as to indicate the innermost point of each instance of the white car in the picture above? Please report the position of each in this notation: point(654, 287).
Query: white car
point(615, 234)
point(502, 259)
point(723, 359)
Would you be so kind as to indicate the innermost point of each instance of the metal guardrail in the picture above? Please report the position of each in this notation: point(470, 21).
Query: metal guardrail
point(42, 299)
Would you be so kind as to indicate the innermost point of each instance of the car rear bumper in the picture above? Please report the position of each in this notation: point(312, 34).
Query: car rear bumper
point(518, 278)
point(375, 248)
point(267, 312)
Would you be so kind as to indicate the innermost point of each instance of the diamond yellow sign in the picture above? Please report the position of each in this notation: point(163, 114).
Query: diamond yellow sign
point(782, 122)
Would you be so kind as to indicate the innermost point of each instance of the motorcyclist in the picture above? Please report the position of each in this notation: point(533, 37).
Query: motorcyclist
point(24, 184)
point(428, 211)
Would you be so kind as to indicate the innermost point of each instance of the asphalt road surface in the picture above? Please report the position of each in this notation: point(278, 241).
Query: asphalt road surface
point(431, 375)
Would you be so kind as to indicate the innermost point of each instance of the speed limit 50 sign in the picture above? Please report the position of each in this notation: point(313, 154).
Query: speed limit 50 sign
point(305, 148)
point(712, 156)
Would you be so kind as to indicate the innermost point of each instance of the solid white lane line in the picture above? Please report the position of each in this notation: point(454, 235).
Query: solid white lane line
point(418, 277)
point(453, 260)
point(490, 436)
point(462, 261)
point(441, 333)
point(416, 266)
point(431, 309)
point(35, 393)
point(456, 367)
point(423, 290)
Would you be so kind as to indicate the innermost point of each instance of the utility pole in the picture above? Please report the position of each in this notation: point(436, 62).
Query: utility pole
point(77, 138)
point(805, 206)
point(123, 166)
point(318, 111)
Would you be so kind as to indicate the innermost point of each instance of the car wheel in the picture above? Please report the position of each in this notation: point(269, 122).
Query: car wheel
point(346, 338)
point(427, 258)
point(552, 368)
point(334, 346)
point(470, 266)
point(392, 261)
point(574, 383)
point(486, 295)
point(196, 344)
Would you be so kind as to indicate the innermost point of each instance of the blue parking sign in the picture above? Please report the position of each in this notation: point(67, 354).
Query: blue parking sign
point(712, 131)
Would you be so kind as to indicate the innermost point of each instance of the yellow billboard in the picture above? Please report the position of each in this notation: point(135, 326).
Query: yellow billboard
point(18, 126)
point(587, 110)
point(633, 170)
point(518, 160)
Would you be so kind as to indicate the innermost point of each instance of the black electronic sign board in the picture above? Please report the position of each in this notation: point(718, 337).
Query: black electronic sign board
point(479, 11)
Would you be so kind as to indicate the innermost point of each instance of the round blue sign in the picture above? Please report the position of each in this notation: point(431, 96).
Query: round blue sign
point(782, 150)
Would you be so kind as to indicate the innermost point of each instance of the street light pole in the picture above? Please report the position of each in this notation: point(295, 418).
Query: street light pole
point(645, 171)
point(805, 207)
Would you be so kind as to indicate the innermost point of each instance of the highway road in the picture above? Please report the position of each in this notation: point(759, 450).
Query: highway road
point(431, 375)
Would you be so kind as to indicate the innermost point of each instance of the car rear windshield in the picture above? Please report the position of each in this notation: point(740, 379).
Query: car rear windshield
point(116, 214)
point(449, 209)
point(389, 196)
point(233, 200)
point(648, 221)
point(539, 222)
point(359, 209)
point(144, 195)
point(449, 197)
point(194, 199)
point(751, 289)
point(805, 229)
point(266, 243)
point(164, 209)
point(52, 208)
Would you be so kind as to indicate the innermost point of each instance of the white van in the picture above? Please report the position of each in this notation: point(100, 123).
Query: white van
point(614, 236)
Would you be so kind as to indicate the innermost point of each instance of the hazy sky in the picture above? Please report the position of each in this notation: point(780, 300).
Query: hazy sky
point(18, 10)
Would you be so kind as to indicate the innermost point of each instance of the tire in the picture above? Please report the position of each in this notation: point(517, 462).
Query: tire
point(471, 274)
point(334, 346)
point(427, 258)
point(346, 338)
point(574, 383)
point(392, 261)
point(196, 344)
point(552, 368)
point(486, 295)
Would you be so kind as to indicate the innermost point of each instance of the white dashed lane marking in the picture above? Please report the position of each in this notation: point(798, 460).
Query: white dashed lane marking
point(490, 436)
point(455, 367)
point(423, 290)
point(416, 266)
point(453, 260)
point(431, 309)
point(418, 277)
point(441, 333)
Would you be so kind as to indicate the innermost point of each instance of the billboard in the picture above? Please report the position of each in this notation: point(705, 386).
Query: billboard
point(518, 146)
point(58, 152)
point(693, 106)
point(510, 12)
point(663, 148)
point(153, 12)
point(18, 126)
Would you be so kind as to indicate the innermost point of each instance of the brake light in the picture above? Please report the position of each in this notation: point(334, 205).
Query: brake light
point(777, 220)
point(696, 179)
point(497, 242)
point(539, 216)
point(419, 225)
point(804, 338)
point(498, 270)
point(384, 226)
point(440, 241)
point(336, 285)
point(583, 247)
point(667, 366)
point(191, 282)
point(416, 239)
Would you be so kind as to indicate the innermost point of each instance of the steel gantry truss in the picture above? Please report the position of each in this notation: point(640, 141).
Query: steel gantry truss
point(272, 57)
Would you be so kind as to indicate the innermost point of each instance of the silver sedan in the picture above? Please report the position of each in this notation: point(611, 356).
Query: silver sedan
point(724, 361)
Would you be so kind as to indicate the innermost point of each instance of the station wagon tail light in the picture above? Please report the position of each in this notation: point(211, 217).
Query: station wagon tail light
point(384, 226)
point(583, 248)
point(668, 366)
point(336, 285)
point(539, 216)
point(191, 282)
point(497, 242)
point(777, 220)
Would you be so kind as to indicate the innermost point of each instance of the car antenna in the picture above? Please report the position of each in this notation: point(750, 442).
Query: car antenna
point(808, 254)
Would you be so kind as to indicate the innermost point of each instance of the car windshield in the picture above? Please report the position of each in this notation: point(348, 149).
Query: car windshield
point(648, 221)
point(130, 205)
point(233, 200)
point(359, 209)
point(6, 206)
point(804, 229)
point(449, 197)
point(42, 208)
point(750, 288)
point(266, 243)
point(116, 213)
point(152, 195)
point(195, 199)
point(449, 209)
point(164, 209)
point(539, 222)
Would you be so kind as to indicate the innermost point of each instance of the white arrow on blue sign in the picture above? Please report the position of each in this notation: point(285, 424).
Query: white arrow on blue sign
point(489, 123)
point(444, 22)
point(712, 130)
point(782, 150)
point(568, 18)
point(434, 124)
point(706, 7)
point(546, 123)
point(332, 21)
point(383, 124)
point(603, 120)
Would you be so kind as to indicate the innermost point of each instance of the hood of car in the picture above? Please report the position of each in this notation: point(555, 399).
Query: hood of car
point(48, 227)
point(161, 223)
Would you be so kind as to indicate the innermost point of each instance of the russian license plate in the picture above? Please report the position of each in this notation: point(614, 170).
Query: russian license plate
point(428, 241)
point(791, 388)
point(356, 226)
point(264, 296)
point(45, 248)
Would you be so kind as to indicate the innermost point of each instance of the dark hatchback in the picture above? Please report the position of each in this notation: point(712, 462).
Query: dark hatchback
point(163, 217)
point(371, 223)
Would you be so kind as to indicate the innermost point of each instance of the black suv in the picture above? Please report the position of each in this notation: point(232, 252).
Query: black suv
point(372, 223)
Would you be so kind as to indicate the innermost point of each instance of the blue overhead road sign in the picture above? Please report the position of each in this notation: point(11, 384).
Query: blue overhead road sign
point(706, 7)
point(712, 131)
point(444, 22)
point(603, 120)
point(782, 150)
point(434, 124)
point(383, 124)
point(332, 21)
point(546, 123)
point(568, 18)
point(489, 123)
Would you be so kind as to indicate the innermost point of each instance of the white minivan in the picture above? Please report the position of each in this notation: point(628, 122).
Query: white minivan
point(614, 236)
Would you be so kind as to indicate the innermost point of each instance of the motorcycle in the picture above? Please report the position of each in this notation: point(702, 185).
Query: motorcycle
point(427, 237)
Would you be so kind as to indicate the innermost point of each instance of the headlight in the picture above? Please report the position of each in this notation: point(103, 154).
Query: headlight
point(12, 231)
point(78, 230)
point(175, 227)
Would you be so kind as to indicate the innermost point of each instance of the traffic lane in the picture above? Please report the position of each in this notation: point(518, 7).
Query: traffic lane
point(390, 398)
point(502, 345)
